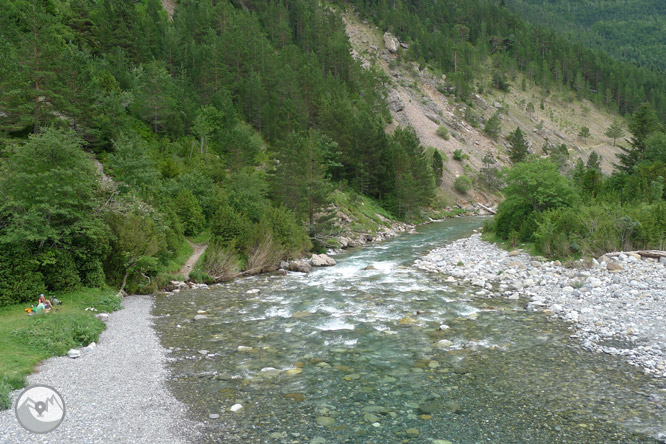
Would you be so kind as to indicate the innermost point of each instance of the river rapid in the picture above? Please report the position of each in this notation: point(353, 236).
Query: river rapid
point(374, 350)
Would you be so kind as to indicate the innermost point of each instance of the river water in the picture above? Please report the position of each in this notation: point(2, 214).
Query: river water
point(361, 353)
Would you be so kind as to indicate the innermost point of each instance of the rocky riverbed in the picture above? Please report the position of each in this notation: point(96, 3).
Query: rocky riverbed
point(616, 304)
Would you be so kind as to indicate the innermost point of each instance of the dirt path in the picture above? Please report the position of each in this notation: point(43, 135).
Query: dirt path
point(191, 262)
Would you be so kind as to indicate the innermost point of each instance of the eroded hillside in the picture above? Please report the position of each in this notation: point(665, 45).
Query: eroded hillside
point(419, 97)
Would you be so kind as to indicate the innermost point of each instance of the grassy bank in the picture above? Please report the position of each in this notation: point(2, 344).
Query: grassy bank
point(27, 340)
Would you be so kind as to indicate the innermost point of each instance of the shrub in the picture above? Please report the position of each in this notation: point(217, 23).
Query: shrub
point(190, 213)
point(59, 270)
point(219, 264)
point(230, 228)
point(20, 278)
point(443, 132)
point(458, 155)
point(463, 184)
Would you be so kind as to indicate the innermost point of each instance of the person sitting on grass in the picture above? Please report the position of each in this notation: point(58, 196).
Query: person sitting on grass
point(43, 306)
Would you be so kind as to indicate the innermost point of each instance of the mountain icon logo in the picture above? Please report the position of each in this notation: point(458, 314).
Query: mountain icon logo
point(40, 408)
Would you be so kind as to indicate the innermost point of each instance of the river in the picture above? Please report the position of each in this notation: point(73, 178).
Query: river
point(375, 351)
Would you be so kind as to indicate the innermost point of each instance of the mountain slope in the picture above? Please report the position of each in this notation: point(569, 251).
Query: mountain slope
point(423, 99)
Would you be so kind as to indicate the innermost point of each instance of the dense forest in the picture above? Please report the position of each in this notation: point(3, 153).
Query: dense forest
point(124, 130)
point(564, 212)
point(629, 30)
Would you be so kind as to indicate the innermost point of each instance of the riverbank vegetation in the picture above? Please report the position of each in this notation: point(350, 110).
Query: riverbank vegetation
point(584, 212)
point(26, 340)
point(123, 130)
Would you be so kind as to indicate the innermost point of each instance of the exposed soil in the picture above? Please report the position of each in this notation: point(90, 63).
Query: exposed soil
point(199, 250)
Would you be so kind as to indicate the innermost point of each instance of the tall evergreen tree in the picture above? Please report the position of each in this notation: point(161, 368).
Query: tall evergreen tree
point(614, 131)
point(518, 149)
point(643, 123)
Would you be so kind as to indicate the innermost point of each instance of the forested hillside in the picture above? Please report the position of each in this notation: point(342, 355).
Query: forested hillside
point(564, 211)
point(458, 37)
point(235, 117)
point(630, 30)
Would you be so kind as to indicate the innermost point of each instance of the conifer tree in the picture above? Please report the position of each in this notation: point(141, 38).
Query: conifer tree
point(614, 131)
point(643, 123)
point(518, 149)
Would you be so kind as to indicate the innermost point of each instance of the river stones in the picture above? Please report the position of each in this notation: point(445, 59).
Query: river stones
point(325, 421)
point(298, 397)
point(236, 408)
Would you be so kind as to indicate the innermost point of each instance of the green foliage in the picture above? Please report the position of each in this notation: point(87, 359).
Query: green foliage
point(532, 187)
point(229, 228)
point(20, 278)
point(643, 123)
point(5, 400)
point(500, 82)
point(584, 133)
point(443, 132)
point(437, 167)
point(459, 156)
point(614, 131)
point(463, 184)
point(518, 148)
point(493, 126)
point(188, 210)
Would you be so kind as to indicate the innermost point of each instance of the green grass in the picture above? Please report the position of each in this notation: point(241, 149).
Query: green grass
point(27, 340)
point(362, 210)
point(201, 238)
point(183, 253)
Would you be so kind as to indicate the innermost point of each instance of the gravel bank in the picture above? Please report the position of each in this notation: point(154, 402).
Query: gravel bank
point(115, 393)
point(616, 306)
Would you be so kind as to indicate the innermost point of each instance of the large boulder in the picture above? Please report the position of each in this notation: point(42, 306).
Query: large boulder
point(300, 265)
point(322, 260)
point(391, 43)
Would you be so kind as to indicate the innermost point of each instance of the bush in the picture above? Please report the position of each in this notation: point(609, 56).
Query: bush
point(59, 270)
point(459, 156)
point(230, 228)
point(443, 132)
point(190, 213)
point(463, 184)
point(20, 278)
point(219, 264)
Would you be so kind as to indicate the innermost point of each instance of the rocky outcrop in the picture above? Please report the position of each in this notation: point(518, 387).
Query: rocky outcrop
point(391, 43)
point(394, 102)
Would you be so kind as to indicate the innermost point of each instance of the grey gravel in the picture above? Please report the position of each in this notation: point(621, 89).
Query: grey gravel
point(114, 393)
point(617, 310)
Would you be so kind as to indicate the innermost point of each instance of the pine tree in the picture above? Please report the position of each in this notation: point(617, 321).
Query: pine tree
point(593, 161)
point(518, 150)
point(493, 127)
point(643, 122)
point(584, 133)
point(614, 131)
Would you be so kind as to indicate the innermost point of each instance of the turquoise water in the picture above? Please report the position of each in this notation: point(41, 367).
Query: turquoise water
point(354, 354)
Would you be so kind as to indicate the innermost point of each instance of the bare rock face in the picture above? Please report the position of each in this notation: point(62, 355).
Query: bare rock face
point(395, 102)
point(391, 43)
